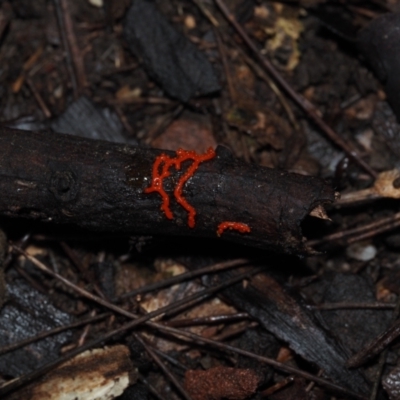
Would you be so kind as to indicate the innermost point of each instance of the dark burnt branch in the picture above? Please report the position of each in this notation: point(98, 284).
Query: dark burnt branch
point(100, 186)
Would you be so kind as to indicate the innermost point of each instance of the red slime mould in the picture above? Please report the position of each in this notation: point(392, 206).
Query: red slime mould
point(157, 181)
point(184, 155)
point(238, 226)
point(161, 170)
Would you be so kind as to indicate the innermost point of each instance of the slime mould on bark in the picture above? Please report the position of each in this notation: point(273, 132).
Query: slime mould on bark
point(101, 186)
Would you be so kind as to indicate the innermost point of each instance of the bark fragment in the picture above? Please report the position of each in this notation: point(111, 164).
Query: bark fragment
point(98, 374)
point(28, 313)
point(169, 57)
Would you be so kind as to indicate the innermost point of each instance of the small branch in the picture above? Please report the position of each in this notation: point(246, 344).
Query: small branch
point(375, 347)
point(83, 271)
point(72, 53)
point(39, 99)
point(361, 232)
point(76, 54)
point(212, 319)
point(101, 186)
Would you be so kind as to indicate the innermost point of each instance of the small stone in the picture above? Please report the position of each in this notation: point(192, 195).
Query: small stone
point(190, 22)
point(96, 3)
point(361, 252)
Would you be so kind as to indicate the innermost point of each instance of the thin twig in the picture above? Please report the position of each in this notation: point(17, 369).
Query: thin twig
point(214, 268)
point(28, 65)
point(227, 72)
point(31, 280)
point(364, 12)
point(76, 54)
point(361, 232)
point(278, 386)
point(171, 360)
point(395, 223)
point(375, 347)
point(383, 356)
point(263, 76)
point(351, 306)
point(308, 107)
point(67, 51)
point(39, 99)
point(143, 100)
point(167, 373)
point(206, 12)
point(380, 344)
point(84, 271)
point(235, 331)
point(43, 335)
point(212, 319)
point(178, 305)
point(124, 120)
point(151, 388)
point(311, 385)
point(252, 64)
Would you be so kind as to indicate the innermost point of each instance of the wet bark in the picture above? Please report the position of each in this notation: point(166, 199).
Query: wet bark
point(100, 185)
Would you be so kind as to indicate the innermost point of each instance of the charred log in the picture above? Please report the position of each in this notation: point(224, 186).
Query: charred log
point(101, 186)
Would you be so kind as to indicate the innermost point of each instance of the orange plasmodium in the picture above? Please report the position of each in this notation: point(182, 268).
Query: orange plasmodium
point(162, 169)
point(237, 226)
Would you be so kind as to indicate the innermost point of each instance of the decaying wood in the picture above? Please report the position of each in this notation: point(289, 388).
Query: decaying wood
point(100, 185)
point(99, 373)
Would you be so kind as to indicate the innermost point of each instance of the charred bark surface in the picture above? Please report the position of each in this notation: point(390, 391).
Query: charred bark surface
point(100, 185)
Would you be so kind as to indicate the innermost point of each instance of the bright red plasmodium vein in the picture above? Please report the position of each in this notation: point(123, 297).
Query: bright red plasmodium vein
point(238, 226)
point(161, 170)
